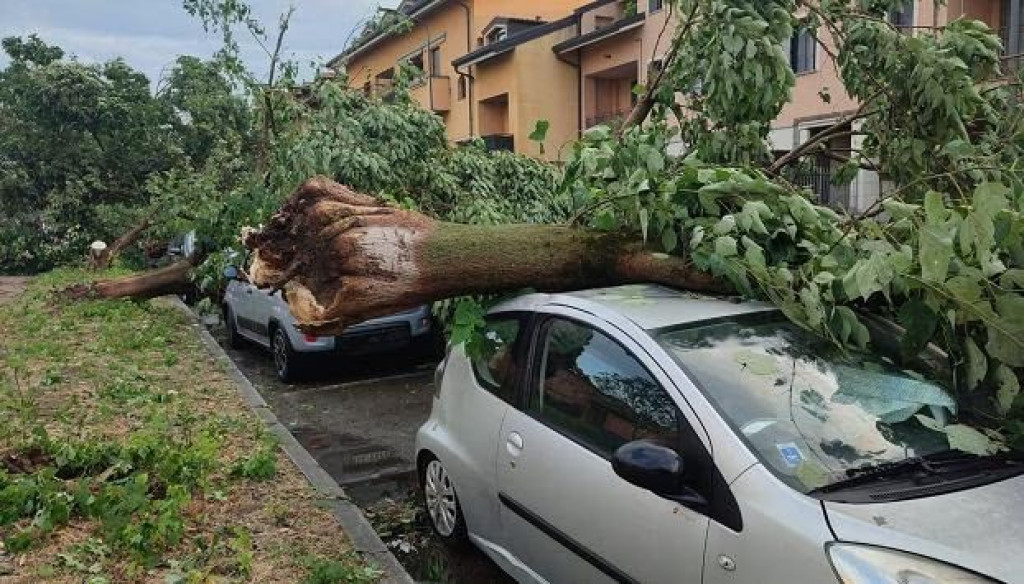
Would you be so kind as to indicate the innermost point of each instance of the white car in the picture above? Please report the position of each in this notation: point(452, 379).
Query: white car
point(638, 434)
point(254, 315)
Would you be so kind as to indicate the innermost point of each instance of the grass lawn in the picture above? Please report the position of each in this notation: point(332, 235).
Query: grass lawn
point(127, 455)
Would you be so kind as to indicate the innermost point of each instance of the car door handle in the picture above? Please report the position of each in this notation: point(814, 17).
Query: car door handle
point(514, 444)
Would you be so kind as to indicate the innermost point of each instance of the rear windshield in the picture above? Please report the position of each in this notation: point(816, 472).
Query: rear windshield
point(809, 409)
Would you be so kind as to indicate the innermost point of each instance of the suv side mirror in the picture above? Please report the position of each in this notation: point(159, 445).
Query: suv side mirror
point(231, 272)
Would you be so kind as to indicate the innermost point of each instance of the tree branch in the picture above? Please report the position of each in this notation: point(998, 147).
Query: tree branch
point(646, 102)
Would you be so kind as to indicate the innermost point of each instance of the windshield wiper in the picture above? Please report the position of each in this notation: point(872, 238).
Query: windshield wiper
point(933, 465)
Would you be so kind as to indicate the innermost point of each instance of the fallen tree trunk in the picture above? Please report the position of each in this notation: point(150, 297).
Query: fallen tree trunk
point(106, 257)
point(343, 257)
point(172, 279)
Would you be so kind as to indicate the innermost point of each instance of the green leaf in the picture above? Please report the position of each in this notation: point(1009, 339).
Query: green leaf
point(754, 254)
point(669, 239)
point(605, 220)
point(696, 236)
point(540, 131)
point(1006, 334)
point(936, 250)
point(655, 161)
point(977, 364)
point(850, 328)
point(967, 439)
point(725, 246)
point(920, 323)
point(1007, 388)
point(726, 225)
point(899, 210)
point(935, 210)
point(1012, 279)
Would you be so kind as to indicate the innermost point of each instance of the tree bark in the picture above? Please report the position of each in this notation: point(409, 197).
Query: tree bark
point(172, 279)
point(343, 258)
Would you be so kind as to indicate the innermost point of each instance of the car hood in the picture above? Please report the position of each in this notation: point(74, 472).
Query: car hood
point(978, 529)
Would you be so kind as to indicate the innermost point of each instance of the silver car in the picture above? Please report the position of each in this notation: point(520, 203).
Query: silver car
point(638, 434)
point(254, 315)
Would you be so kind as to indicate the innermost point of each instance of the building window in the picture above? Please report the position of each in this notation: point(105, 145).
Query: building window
point(415, 62)
point(903, 17)
point(655, 5)
point(496, 35)
point(435, 61)
point(461, 93)
point(802, 52)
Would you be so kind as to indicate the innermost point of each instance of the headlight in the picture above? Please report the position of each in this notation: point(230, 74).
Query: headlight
point(862, 564)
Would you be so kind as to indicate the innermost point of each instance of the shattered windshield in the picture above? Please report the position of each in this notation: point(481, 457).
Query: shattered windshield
point(809, 409)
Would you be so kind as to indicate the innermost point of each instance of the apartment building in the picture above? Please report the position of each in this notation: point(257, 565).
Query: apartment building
point(808, 113)
point(493, 68)
point(510, 83)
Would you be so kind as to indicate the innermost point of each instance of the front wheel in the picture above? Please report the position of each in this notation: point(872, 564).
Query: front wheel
point(286, 360)
point(442, 503)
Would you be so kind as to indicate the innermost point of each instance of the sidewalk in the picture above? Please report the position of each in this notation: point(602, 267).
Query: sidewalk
point(11, 287)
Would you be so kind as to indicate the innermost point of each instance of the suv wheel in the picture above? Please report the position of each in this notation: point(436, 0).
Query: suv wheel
point(235, 340)
point(442, 503)
point(286, 360)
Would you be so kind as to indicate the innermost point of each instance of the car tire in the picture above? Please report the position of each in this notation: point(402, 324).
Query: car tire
point(235, 339)
point(286, 359)
point(444, 512)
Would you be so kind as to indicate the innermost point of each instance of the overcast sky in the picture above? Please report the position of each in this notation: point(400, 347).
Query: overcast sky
point(149, 34)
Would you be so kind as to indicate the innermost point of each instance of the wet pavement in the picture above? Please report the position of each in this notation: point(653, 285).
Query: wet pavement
point(358, 418)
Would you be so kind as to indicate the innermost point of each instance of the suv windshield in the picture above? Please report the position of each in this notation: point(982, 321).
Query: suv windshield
point(809, 409)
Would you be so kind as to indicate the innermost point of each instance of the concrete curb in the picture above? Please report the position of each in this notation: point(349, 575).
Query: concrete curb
point(358, 529)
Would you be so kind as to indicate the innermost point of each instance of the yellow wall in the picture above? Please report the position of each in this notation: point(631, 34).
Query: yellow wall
point(448, 22)
point(546, 90)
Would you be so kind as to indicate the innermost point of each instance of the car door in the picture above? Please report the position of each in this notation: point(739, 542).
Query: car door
point(564, 511)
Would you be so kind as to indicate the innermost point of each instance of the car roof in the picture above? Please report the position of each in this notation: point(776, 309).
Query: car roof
point(650, 306)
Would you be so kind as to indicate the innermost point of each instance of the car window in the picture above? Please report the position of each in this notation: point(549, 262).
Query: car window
point(494, 358)
point(591, 389)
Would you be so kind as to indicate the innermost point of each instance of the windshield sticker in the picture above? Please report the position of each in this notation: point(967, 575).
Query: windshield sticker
point(791, 454)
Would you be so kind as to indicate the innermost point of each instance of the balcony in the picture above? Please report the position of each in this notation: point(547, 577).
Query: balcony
point(434, 93)
point(494, 142)
point(613, 118)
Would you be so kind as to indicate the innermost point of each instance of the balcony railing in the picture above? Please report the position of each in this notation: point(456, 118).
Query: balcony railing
point(494, 142)
point(434, 93)
point(1011, 64)
point(613, 119)
point(818, 174)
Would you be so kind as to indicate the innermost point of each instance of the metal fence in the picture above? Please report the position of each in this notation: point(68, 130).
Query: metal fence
point(818, 174)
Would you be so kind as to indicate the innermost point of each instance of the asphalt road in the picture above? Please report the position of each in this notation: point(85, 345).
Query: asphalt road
point(359, 419)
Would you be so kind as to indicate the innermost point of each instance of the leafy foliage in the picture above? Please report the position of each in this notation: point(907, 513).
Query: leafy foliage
point(79, 144)
point(940, 254)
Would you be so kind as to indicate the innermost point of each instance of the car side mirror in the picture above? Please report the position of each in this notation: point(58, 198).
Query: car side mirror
point(231, 272)
point(655, 468)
